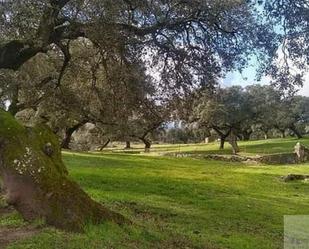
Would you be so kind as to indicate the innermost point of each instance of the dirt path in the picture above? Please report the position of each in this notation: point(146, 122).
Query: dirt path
point(10, 235)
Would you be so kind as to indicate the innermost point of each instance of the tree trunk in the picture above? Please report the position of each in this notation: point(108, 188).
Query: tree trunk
point(222, 136)
point(36, 181)
point(296, 132)
point(222, 142)
point(128, 145)
point(282, 133)
point(266, 135)
point(105, 144)
point(147, 144)
point(65, 144)
point(13, 108)
point(233, 143)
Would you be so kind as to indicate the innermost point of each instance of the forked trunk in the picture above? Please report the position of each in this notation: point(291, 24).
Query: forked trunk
point(36, 182)
point(65, 144)
point(222, 136)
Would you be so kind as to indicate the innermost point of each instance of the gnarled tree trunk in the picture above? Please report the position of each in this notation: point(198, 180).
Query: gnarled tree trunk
point(36, 181)
point(147, 143)
point(65, 144)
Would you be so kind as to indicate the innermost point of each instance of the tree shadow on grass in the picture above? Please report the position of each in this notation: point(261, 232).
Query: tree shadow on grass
point(218, 198)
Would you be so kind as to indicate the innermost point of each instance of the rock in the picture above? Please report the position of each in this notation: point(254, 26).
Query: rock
point(294, 177)
point(282, 158)
point(301, 152)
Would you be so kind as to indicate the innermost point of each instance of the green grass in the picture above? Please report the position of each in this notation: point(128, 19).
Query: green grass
point(183, 202)
point(260, 147)
point(11, 220)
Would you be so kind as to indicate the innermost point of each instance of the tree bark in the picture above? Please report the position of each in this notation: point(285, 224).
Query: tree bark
point(105, 144)
point(128, 145)
point(36, 182)
point(65, 144)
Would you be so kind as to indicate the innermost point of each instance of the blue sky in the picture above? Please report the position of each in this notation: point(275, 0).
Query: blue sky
point(247, 77)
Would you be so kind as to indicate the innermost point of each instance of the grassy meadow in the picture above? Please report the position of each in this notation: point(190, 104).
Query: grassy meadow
point(179, 202)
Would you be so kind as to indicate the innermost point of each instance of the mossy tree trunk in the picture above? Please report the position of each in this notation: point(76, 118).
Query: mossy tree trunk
point(36, 181)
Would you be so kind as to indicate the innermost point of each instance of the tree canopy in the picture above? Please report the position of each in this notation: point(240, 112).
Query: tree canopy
point(185, 42)
point(126, 62)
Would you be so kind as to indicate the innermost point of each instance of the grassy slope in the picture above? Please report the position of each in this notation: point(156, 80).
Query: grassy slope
point(182, 202)
point(248, 147)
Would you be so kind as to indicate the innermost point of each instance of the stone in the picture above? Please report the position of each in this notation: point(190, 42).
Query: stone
point(301, 152)
point(294, 177)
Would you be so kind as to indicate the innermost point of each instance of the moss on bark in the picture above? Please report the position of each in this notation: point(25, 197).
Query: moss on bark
point(36, 181)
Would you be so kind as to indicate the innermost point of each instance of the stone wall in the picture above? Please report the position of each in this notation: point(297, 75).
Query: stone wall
point(283, 158)
point(300, 155)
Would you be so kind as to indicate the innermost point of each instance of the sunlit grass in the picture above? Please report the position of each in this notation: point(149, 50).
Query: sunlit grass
point(258, 147)
point(184, 202)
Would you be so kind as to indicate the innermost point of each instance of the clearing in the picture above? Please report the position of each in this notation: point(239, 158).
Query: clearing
point(175, 202)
